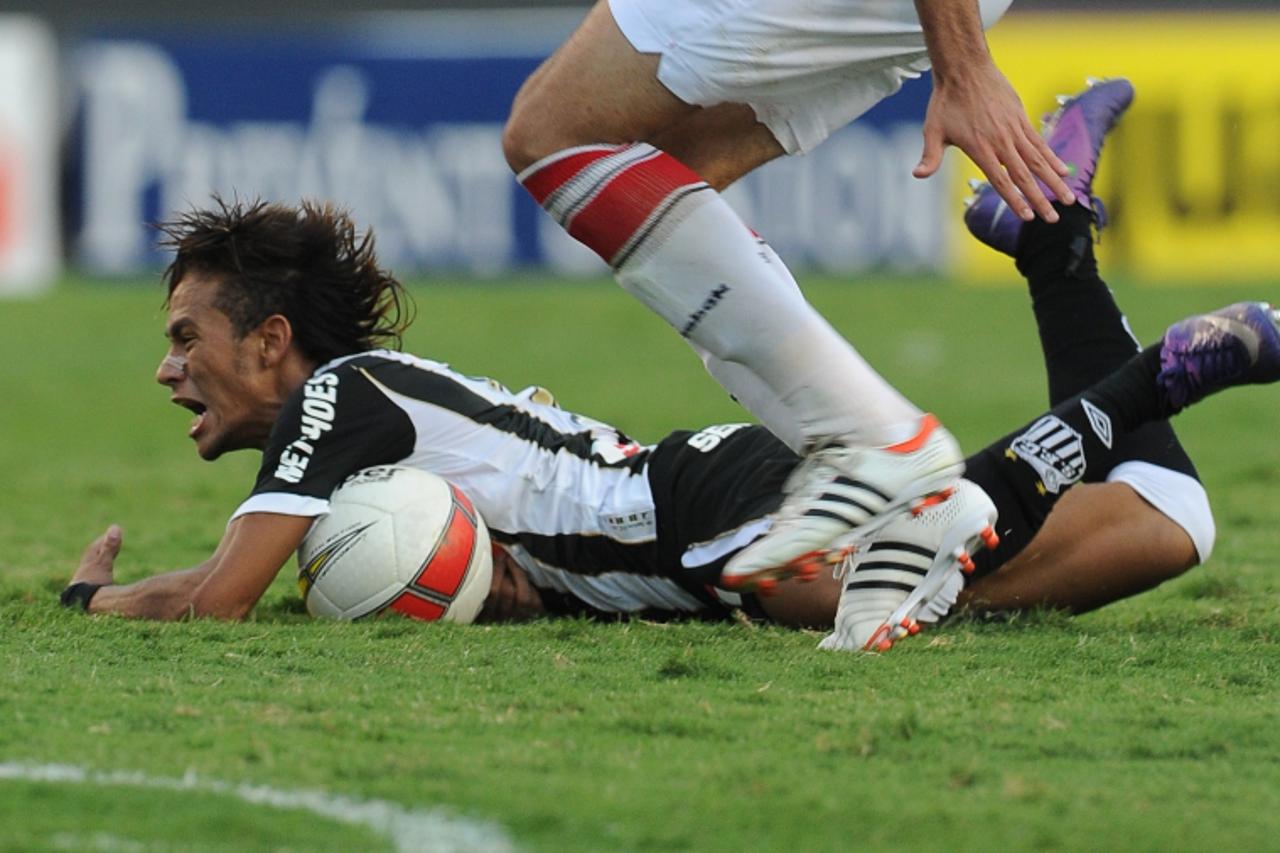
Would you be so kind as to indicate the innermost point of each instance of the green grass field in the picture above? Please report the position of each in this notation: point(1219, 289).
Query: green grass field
point(1151, 725)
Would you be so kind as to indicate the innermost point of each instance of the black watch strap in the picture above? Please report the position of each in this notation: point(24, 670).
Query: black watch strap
point(79, 594)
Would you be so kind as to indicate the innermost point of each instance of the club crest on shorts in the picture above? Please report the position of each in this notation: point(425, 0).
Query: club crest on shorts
point(1054, 450)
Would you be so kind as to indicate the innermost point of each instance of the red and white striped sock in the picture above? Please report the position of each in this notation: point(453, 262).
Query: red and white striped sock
point(676, 245)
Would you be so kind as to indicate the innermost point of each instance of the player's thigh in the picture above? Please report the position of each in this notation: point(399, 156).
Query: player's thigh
point(596, 88)
point(721, 143)
point(1102, 542)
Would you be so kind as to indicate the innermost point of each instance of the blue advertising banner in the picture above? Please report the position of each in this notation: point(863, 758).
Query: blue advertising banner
point(399, 119)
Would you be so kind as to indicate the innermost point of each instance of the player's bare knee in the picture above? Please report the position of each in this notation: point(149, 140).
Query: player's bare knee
point(536, 127)
point(519, 137)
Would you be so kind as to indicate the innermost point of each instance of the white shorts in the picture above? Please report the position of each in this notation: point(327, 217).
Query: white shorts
point(1179, 496)
point(806, 68)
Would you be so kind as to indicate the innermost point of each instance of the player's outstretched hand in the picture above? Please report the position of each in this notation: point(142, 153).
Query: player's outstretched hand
point(97, 565)
point(982, 115)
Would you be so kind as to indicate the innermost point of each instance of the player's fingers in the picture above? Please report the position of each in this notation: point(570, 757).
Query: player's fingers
point(1045, 165)
point(1042, 145)
point(1020, 174)
point(1001, 183)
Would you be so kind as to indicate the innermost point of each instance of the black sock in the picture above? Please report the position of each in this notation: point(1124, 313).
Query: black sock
point(1082, 331)
point(1130, 395)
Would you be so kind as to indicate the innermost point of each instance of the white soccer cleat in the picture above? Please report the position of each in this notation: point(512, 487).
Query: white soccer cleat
point(838, 496)
point(910, 572)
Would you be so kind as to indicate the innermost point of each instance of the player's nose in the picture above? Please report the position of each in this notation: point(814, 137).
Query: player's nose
point(171, 370)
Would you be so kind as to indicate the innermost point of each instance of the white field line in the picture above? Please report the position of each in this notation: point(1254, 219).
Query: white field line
point(436, 831)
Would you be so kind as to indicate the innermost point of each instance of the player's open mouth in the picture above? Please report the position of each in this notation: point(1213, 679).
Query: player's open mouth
point(198, 408)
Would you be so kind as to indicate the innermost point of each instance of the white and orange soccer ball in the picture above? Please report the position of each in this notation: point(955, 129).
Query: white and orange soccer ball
point(399, 539)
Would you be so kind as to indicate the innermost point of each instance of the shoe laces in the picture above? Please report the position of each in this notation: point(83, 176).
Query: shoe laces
point(818, 468)
point(847, 560)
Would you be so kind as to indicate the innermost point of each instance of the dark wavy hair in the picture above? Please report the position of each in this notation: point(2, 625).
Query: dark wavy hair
point(307, 263)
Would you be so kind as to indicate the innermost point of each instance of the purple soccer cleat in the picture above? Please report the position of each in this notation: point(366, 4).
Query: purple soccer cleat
point(1236, 345)
point(1075, 133)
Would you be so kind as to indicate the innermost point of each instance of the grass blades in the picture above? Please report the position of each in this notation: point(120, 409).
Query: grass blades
point(1152, 725)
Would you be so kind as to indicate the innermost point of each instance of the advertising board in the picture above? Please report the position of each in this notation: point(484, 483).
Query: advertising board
point(400, 121)
point(29, 241)
point(1191, 177)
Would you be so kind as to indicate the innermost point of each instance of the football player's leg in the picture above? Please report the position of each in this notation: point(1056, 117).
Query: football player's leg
point(677, 246)
point(1101, 543)
point(1137, 483)
point(1082, 333)
point(596, 89)
point(1196, 357)
point(1083, 336)
point(672, 241)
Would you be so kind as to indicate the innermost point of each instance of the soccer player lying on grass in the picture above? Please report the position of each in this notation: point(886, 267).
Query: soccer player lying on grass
point(273, 316)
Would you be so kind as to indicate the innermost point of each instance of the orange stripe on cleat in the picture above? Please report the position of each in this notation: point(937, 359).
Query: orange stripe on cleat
point(928, 424)
point(932, 500)
point(767, 587)
point(808, 570)
point(878, 640)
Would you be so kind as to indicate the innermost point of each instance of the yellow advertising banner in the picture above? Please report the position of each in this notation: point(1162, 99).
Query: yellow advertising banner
point(1191, 177)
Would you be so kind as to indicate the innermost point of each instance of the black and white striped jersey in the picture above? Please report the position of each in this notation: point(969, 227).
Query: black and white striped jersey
point(571, 495)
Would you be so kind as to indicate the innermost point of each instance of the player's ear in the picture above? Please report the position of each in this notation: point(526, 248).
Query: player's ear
point(275, 336)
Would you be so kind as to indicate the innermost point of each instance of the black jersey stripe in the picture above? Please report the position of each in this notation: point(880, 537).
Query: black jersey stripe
point(441, 390)
point(590, 555)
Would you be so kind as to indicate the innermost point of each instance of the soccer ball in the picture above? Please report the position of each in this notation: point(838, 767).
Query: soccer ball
point(399, 539)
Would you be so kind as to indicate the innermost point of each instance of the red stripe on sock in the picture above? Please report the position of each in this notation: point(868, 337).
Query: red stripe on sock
point(624, 204)
point(557, 173)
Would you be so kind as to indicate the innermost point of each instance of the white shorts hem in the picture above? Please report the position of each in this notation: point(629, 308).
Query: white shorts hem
point(1179, 496)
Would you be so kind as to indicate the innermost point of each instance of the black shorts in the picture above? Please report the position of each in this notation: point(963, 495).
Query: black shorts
point(1023, 507)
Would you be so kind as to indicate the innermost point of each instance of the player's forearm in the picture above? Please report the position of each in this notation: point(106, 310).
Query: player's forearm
point(953, 36)
point(166, 597)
